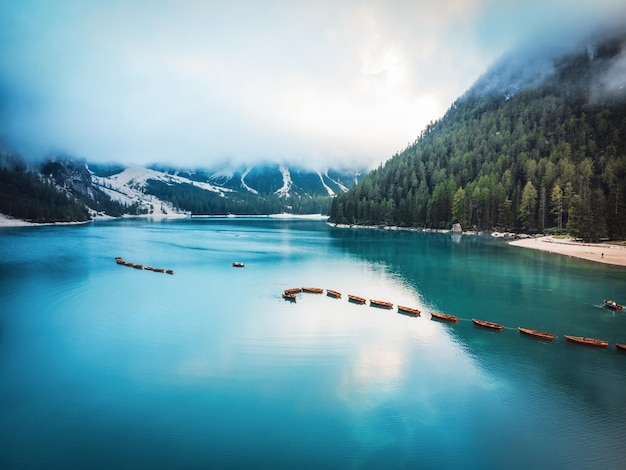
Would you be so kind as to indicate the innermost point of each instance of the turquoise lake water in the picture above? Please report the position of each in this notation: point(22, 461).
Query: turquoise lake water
point(104, 366)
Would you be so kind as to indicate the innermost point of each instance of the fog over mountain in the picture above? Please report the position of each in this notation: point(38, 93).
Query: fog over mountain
point(529, 65)
point(194, 83)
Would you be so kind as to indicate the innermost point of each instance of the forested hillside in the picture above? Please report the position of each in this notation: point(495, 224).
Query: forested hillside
point(261, 189)
point(66, 189)
point(545, 154)
point(26, 195)
point(195, 200)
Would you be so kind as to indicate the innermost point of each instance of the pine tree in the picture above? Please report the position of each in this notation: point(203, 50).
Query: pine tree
point(556, 204)
point(528, 205)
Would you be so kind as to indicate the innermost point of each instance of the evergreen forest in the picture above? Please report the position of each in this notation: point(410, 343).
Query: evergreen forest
point(25, 195)
point(545, 157)
point(193, 199)
point(49, 193)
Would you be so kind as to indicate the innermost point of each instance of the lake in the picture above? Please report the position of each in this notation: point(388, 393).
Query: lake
point(105, 366)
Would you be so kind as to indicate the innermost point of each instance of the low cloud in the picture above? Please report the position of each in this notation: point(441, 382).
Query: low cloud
point(611, 83)
point(192, 82)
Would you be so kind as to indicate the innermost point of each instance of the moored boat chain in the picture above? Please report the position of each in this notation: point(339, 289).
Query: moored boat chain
point(121, 262)
point(289, 294)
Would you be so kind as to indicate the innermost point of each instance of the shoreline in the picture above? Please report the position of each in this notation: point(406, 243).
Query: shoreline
point(604, 253)
point(10, 222)
point(395, 228)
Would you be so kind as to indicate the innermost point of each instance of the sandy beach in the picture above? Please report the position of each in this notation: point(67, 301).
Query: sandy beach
point(597, 252)
point(6, 221)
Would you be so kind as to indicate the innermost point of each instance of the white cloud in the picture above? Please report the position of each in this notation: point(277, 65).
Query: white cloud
point(191, 82)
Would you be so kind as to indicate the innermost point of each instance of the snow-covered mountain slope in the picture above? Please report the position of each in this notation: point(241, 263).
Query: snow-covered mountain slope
point(137, 176)
point(160, 190)
point(285, 189)
point(128, 187)
point(282, 180)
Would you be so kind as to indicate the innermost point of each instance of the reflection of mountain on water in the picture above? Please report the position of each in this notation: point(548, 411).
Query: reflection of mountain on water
point(482, 277)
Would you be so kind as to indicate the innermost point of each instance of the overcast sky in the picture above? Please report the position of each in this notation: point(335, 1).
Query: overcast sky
point(192, 82)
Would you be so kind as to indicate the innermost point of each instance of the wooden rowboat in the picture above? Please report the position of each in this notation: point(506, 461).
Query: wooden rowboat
point(587, 341)
point(356, 299)
point(444, 316)
point(313, 290)
point(409, 310)
point(620, 346)
point(488, 324)
point(293, 290)
point(613, 305)
point(290, 297)
point(380, 304)
point(333, 293)
point(537, 334)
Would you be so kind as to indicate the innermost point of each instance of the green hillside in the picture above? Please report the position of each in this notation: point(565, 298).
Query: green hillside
point(26, 195)
point(522, 150)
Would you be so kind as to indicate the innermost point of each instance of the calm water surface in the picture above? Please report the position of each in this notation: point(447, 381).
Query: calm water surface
point(103, 366)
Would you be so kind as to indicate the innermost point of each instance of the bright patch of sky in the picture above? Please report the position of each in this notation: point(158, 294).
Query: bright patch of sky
point(193, 82)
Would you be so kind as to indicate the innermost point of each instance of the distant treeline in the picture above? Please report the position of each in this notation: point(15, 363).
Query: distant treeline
point(191, 198)
point(544, 158)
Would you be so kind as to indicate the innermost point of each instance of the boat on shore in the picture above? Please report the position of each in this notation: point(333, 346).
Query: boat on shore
point(313, 290)
point(380, 304)
point(588, 341)
point(613, 305)
point(620, 346)
point(488, 324)
point(537, 334)
point(356, 299)
point(444, 316)
point(333, 293)
point(409, 310)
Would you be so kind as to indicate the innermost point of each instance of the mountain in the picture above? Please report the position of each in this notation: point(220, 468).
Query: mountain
point(261, 189)
point(538, 143)
point(67, 189)
point(273, 179)
point(28, 195)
